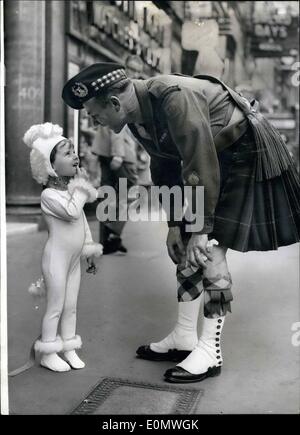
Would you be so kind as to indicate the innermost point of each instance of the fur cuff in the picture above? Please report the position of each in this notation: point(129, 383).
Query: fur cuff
point(72, 343)
point(84, 186)
point(92, 248)
point(48, 347)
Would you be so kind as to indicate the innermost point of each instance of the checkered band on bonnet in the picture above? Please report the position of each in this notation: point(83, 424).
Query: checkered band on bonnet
point(91, 81)
point(109, 79)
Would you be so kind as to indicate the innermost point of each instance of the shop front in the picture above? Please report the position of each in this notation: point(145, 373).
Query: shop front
point(46, 43)
point(103, 31)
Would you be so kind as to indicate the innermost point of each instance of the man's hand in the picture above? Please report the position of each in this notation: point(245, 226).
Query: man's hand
point(91, 265)
point(197, 251)
point(175, 245)
point(116, 163)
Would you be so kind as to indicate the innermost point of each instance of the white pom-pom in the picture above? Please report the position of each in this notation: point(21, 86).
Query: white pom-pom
point(38, 167)
point(37, 288)
point(44, 131)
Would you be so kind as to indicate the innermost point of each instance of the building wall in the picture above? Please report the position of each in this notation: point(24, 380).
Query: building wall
point(39, 54)
point(55, 70)
point(24, 93)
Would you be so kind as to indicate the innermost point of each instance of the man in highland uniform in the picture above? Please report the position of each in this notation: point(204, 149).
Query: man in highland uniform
point(199, 132)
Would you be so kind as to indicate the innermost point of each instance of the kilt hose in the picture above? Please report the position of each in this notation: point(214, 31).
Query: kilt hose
point(250, 215)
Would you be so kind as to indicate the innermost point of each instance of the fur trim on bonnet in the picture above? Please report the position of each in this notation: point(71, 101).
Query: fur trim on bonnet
point(42, 138)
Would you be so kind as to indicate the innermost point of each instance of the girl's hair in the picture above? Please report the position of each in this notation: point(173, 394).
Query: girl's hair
point(53, 154)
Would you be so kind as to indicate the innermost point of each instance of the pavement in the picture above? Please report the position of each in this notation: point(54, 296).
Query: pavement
point(132, 301)
point(17, 228)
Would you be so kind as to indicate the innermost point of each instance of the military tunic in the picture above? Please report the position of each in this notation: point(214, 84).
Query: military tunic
point(183, 115)
point(196, 134)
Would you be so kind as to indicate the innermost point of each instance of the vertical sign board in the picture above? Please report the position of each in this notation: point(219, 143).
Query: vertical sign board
point(271, 39)
point(24, 93)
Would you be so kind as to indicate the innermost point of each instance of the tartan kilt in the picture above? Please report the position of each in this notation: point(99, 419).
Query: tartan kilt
point(255, 215)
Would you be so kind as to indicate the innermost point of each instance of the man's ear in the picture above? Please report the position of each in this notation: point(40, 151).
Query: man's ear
point(115, 102)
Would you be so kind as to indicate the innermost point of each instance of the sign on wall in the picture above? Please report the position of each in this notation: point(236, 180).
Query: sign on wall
point(273, 39)
point(125, 25)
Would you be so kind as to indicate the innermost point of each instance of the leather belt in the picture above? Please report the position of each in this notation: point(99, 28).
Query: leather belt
point(236, 127)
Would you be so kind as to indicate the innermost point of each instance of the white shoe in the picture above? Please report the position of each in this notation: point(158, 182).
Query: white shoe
point(50, 359)
point(53, 362)
point(69, 346)
point(74, 360)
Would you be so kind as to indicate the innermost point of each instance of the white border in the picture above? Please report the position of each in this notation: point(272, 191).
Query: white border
point(3, 282)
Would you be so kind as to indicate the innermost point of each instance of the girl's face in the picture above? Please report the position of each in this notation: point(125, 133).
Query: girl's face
point(66, 160)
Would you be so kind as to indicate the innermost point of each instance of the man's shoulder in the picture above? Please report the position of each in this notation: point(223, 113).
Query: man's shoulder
point(174, 92)
point(163, 85)
point(157, 84)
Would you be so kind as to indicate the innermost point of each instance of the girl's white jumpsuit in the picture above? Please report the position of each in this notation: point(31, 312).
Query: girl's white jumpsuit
point(69, 238)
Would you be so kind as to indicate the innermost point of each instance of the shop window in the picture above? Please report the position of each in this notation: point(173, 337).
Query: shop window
point(88, 160)
point(81, 132)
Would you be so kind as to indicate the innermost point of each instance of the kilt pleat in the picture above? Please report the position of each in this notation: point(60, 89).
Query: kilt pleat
point(255, 215)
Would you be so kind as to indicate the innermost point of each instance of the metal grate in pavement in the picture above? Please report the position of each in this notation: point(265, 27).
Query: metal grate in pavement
point(123, 396)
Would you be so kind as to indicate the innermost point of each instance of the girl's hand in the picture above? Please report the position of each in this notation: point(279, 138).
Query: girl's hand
point(91, 265)
point(81, 173)
point(197, 251)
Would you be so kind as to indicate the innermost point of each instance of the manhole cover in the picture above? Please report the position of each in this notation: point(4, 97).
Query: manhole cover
point(119, 396)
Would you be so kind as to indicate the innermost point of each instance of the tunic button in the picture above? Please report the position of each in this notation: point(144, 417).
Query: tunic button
point(218, 356)
point(219, 321)
point(217, 333)
point(218, 350)
point(217, 345)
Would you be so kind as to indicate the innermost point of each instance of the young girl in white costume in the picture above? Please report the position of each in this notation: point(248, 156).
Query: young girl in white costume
point(54, 164)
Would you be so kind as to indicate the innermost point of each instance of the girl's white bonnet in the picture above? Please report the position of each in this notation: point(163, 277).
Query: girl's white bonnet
point(42, 138)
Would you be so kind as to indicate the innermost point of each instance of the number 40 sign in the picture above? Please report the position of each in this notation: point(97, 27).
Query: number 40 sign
point(30, 93)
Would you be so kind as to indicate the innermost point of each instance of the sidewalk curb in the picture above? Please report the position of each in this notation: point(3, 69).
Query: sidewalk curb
point(16, 229)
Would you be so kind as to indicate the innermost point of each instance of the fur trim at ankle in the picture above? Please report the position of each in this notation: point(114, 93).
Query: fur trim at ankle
point(72, 343)
point(48, 347)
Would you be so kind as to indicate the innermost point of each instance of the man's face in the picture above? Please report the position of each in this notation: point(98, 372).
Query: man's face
point(108, 114)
